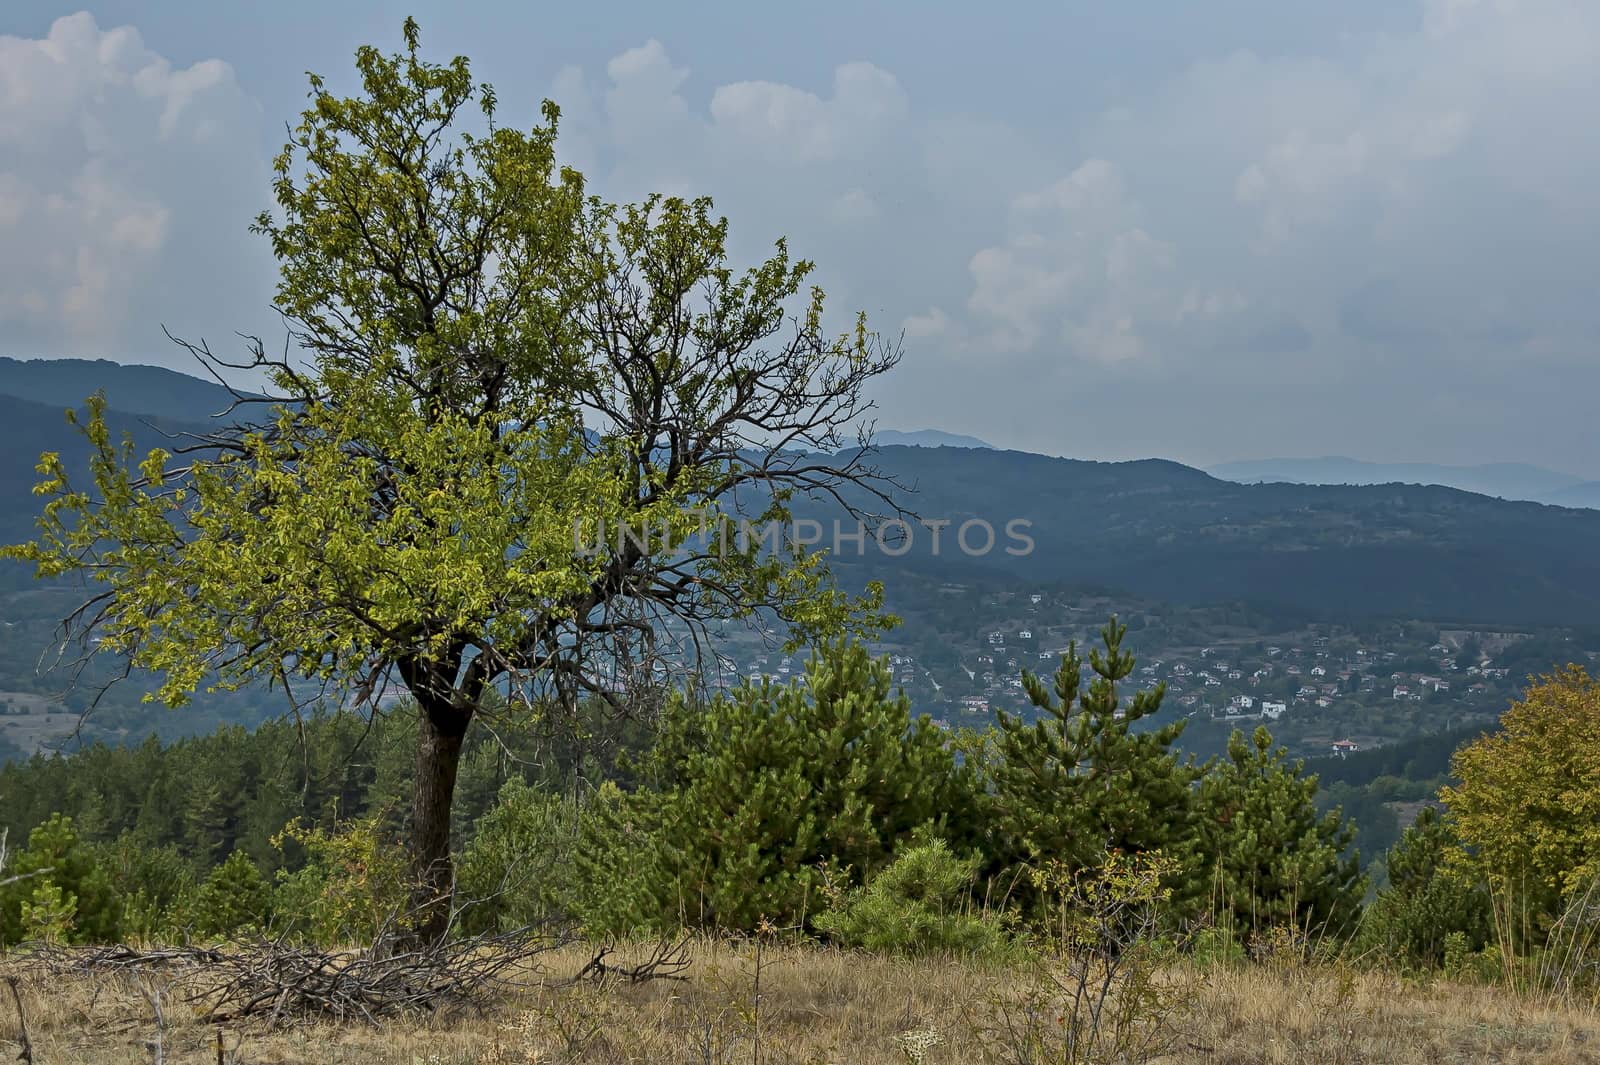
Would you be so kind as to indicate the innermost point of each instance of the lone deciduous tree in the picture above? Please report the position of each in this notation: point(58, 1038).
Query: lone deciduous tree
point(1526, 809)
point(490, 376)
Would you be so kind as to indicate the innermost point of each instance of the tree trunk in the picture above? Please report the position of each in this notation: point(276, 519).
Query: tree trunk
point(440, 732)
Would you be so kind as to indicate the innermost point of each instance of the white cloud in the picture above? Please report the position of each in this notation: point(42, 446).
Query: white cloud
point(1079, 273)
point(111, 161)
point(791, 125)
point(778, 145)
point(1341, 227)
point(928, 325)
point(1257, 201)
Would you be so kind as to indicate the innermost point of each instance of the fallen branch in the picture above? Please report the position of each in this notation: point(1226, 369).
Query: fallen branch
point(666, 962)
point(26, 1054)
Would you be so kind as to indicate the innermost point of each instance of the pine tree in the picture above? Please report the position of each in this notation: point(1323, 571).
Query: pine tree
point(1084, 780)
point(234, 898)
point(765, 789)
point(1275, 862)
point(59, 878)
point(1427, 900)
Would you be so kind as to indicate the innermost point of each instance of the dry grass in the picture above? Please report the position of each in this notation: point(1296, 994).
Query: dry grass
point(817, 1006)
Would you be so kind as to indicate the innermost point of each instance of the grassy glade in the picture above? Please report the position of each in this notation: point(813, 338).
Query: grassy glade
point(1064, 955)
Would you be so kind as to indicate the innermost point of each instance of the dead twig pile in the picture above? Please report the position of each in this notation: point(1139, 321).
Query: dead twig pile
point(280, 981)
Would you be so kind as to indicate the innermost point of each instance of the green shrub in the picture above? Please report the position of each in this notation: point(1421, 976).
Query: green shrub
point(759, 795)
point(920, 903)
point(48, 914)
point(1431, 913)
point(153, 884)
point(235, 898)
point(1102, 987)
point(1275, 862)
point(517, 870)
point(61, 889)
point(352, 887)
point(1089, 773)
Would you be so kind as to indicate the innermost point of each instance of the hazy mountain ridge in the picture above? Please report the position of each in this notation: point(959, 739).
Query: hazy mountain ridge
point(1503, 480)
point(148, 391)
point(927, 438)
point(1153, 527)
point(1169, 531)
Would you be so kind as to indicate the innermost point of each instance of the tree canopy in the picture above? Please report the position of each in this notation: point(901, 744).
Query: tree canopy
point(1527, 805)
point(490, 378)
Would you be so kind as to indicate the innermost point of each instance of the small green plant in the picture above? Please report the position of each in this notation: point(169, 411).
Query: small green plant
point(351, 889)
point(235, 898)
point(1101, 989)
point(518, 868)
point(920, 904)
point(57, 887)
point(48, 913)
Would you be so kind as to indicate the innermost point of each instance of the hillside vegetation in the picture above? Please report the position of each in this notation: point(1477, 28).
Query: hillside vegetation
point(523, 807)
point(815, 1006)
point(1152, 527)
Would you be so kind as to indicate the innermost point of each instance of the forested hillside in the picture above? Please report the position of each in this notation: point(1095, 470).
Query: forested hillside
point(1152, 527)
point(1163, 529)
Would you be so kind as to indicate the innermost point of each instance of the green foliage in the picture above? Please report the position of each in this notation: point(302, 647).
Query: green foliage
point(153, 883)
point(518, 869)
point(1430, 914)
point(319, 769)
point(501, 375)
point(1274, 860)
point(351, 889)
point(1527, 808)
point(1083, 781)
point(921, 903)
point(61, 889)
point(48, 914)
point(1101, 988)
point(234, 899)
point(764, 791)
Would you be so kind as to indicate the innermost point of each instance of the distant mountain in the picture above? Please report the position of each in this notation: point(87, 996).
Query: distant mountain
point(151, 391)
point(1155, 528)
point(1174, 533)
point(1505, 480)
point(33, 428)
point(1586, 494)
point(926, 438)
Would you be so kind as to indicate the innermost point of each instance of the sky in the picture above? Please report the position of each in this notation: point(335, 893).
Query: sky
point(1205, 232)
